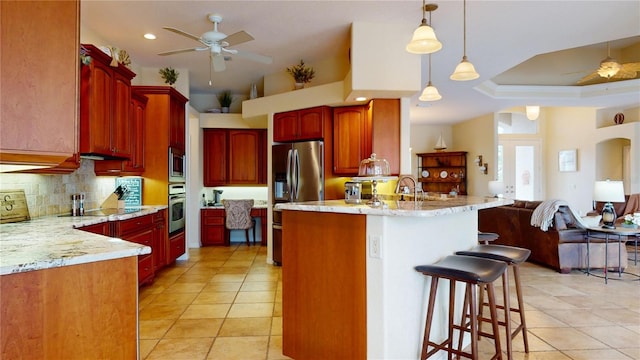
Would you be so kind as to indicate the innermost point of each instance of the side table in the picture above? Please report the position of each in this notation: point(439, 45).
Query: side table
point(621, 233)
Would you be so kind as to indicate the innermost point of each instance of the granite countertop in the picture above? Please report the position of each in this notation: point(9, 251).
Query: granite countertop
point(54, 241)
point(258, 204)
point(424, 208)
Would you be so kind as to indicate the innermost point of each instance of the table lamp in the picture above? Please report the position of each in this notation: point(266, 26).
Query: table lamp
point(608, 192)
point(496, 188)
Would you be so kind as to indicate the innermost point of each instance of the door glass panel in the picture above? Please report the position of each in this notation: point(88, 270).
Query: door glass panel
point(517, 164)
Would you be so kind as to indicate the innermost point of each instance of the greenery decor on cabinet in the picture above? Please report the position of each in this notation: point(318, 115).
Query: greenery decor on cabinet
point(301, 73)
point(169, 74)
point(225, 98)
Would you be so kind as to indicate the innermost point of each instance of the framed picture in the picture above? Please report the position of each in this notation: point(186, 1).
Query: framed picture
point(568, 160)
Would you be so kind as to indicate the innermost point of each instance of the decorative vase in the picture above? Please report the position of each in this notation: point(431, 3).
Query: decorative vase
point(618, 118)
point(299, 86)
point(254, 92)
point(225, 109)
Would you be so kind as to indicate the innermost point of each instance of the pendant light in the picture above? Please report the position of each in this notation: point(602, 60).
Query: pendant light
point(532, 111)
point(424, 39)
point(430, 93)
point(465, 70)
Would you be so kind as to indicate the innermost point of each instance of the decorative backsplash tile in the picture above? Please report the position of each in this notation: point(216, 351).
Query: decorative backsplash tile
point(51, 194)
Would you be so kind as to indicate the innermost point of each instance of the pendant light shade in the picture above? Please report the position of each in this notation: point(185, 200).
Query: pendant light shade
point(533, 111)
point(465, 70)
point(430, 93)
point(424, 39)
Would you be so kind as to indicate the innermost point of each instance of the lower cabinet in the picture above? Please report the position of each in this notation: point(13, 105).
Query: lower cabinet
point(176, 247)
point(212, 227)
point(149, 230)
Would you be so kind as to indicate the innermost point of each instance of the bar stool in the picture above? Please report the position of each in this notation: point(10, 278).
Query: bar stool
point(487, 237)
point(513, 257)
point(473, 271)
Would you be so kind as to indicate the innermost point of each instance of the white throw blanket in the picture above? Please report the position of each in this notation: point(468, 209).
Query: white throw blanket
point(542, 216)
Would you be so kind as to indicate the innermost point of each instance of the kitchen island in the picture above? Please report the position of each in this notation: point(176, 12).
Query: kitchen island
point(350, 290)
point(67, 293)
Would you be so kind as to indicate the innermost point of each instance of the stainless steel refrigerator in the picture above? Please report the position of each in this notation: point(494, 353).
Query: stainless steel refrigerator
point(297, 175)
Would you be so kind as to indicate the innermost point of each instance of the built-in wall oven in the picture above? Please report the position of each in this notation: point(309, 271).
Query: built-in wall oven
point(177, 166)
point(177, 208)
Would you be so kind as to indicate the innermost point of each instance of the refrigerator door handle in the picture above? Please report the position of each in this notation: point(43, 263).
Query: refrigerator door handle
point(289, 183)
point(296, 172)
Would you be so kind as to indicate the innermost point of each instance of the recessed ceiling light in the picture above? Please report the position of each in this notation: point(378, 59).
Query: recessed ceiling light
point(149, 36)
point(361, 98)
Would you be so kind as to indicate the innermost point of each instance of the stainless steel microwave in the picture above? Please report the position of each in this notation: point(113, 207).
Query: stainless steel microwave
point(177, 165)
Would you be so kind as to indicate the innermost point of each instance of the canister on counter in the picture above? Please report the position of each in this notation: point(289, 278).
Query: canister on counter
point(352, 192)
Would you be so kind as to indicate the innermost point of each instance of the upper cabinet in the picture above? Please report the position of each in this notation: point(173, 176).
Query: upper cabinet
point(38, 107)
point(234, 157)
point(105, 100)
point(361, 130)
point(299, 125)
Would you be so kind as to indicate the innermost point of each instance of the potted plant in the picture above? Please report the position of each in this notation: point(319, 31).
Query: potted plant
point(301, 73)
point(225, 98)
point(169, 74)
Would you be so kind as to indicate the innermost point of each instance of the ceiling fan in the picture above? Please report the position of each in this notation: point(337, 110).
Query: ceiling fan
point(217, 43)
point(611, 69)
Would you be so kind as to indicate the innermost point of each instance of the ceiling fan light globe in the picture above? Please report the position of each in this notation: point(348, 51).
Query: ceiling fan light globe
point(608, 68)
point(465, 71)
point(430, 93)
point(424, 41)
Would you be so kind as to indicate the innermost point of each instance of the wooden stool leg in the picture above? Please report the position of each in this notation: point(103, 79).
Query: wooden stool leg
point(427, 329)
point(494, 324)
point(246, 235)
point(523, 323)
point(507, 312)
point(472, 289)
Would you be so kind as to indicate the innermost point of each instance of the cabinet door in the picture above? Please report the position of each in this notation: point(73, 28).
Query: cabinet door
point(212, 227)
point(244, 156)
point(214, 157)
point(136, 161)
point(350, 134)
point(177, 120)
point(120, 126)
point(311, 124)
point(385, 132)
point(176, 247)
point(159, 239)
point(95, 109)
point(285, 126)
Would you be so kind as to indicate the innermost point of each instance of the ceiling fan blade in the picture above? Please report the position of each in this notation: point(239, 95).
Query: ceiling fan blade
point(218, 63)
point(183, 33)
point(182, 51)
point(255, 57)
point(587, 78)
point(238, 38)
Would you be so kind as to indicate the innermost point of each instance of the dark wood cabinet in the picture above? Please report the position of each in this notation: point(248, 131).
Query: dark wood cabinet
point(160, 243)
point(444, 171)
point(39, 82)
point(177, 125)
point(212, 228)
point(299, 125)
point(105, 100)
point(234, 157)
point(359, 131)
point(101, 229)
point(134, 166)
point(351, 139)
point(177, 247)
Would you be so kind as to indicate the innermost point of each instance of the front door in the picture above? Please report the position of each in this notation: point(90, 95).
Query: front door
point(519, 169)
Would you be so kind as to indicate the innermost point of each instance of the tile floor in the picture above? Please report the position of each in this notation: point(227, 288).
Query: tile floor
point(226, 303)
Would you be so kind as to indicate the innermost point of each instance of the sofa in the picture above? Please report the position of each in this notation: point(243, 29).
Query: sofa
point(562, 247)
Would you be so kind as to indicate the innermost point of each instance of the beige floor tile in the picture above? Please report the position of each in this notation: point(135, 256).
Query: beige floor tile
point(540, 355)
point(234, 270)
point(277, 309)
point(568, 339)
point(154, 329)
point(536, 319)
point(251, 310)
point(212, 311)
point(259, 286)
point(218, 278)
point(632, 353)
point(146, 346)
point(195, 277)
point(577, 318)
point(276, 326)
point(621, 316)
point(239, 348)
point(238, 263)
point(614, 336)
point(263, 277)
point(159, 311)
point(606, 354)
point(194, 328)
point(215, 297)
point(275, 349)
point(178, 349)
point(255, 296)
point(222, 286)
point(172, 298)
point(246, 327)
point(195, 287)
point(545, 302)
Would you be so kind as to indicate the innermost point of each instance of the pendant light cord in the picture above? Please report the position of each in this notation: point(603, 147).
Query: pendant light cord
point(464, 28)
point(423, 7)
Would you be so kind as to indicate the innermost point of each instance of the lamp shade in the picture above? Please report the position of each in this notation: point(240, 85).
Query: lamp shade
point(464, 71)
point(496, 187)
point(424, 40)
point(608, 191)
point(430, 93)
point(532, 112)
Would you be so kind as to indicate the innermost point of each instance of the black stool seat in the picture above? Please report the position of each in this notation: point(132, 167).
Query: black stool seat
point(465, 268)
point(486, 237)
point(508, 254)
